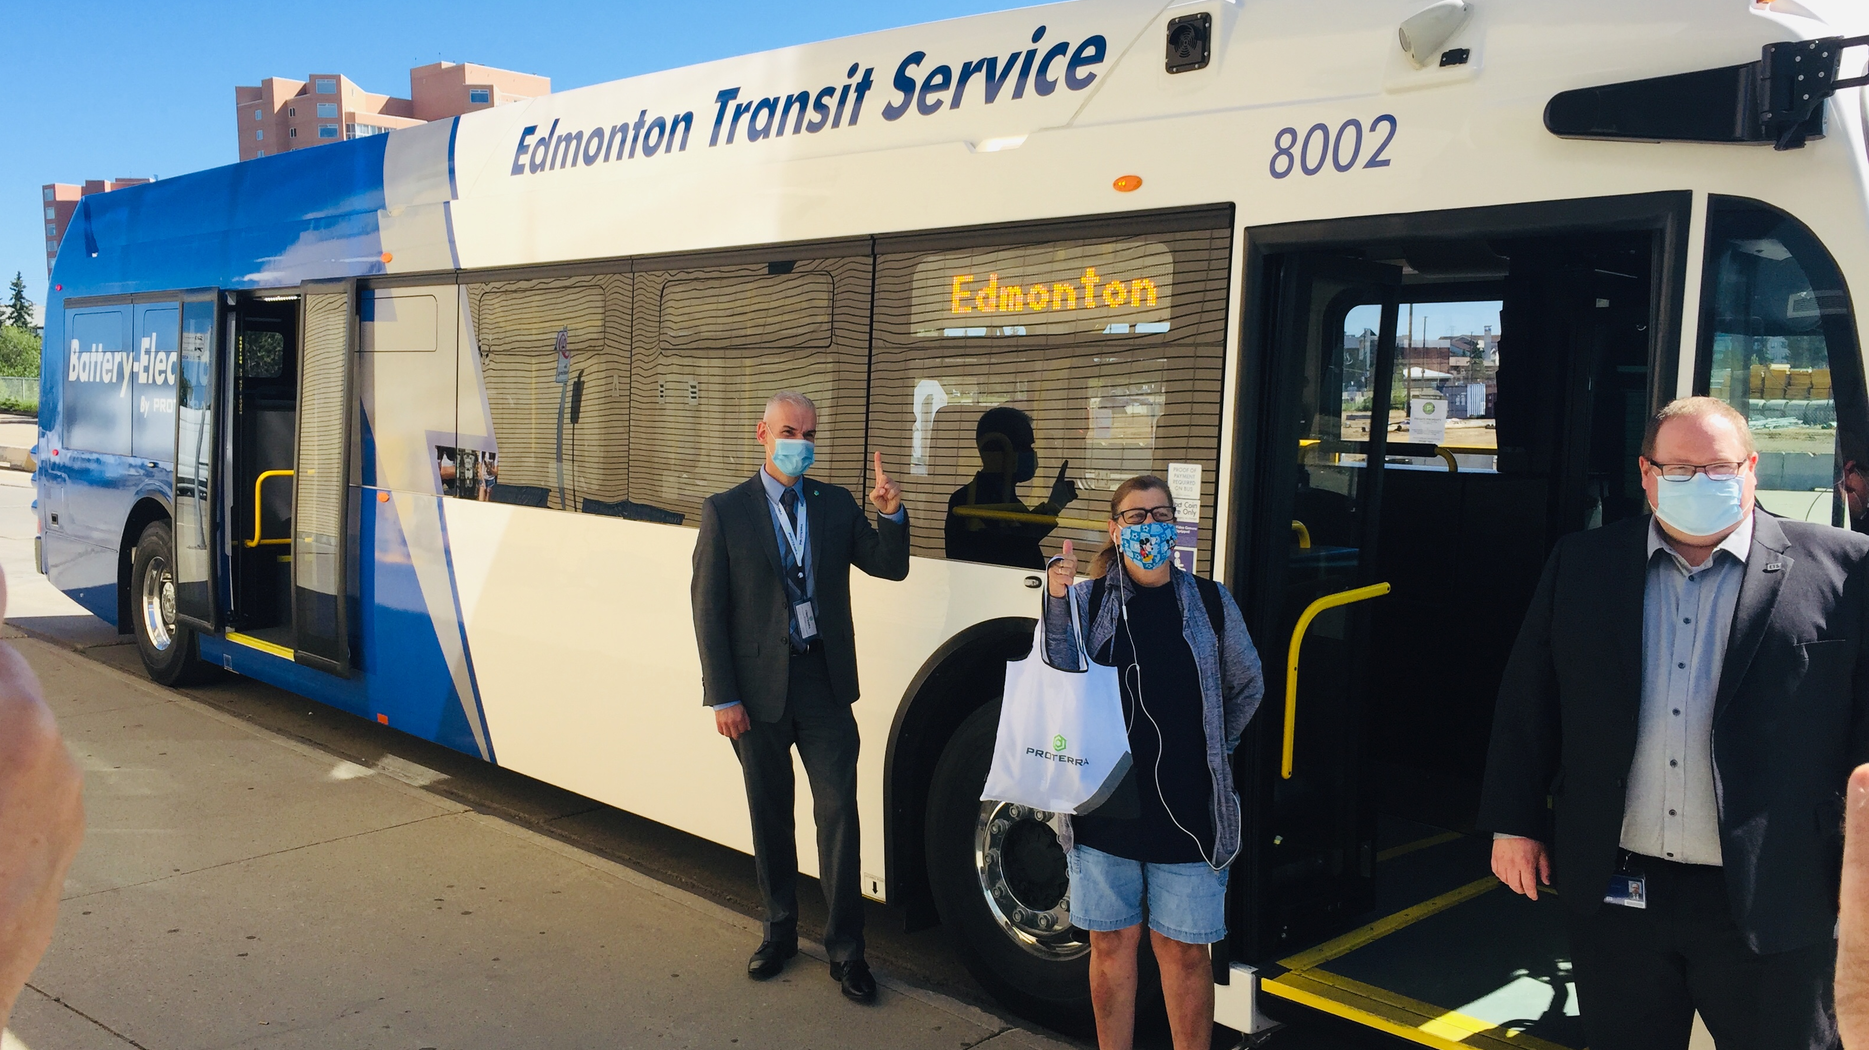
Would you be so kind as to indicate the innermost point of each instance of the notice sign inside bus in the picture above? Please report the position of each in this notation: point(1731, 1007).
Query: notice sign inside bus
point(1112, 288)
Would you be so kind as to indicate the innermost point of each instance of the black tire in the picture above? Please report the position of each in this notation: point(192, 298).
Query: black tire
point(170, 650)
point(1041, 974)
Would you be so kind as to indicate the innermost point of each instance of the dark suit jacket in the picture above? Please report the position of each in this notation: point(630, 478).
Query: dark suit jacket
point(1791, 719)
point(741, 615)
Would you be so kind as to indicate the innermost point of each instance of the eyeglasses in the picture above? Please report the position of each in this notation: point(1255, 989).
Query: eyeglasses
point(1713, 471)
point(1138, 515)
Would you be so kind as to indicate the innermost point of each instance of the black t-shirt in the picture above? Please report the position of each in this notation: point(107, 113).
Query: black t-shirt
point(1136, 823)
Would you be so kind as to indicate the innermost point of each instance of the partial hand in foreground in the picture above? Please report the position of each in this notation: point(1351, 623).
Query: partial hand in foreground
point(1853, 917)
point(41, 821)
point(1522, 864)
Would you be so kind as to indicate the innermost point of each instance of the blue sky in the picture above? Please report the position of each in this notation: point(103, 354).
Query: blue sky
point(140, 89)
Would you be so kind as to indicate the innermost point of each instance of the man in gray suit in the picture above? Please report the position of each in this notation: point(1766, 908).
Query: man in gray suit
point(771, 599)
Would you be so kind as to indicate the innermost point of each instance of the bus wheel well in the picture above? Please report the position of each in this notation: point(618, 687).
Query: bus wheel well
point(965, 674)
point(147, 509)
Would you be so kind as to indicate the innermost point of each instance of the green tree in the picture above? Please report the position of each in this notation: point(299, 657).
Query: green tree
point(18, 310)
point(19, 351)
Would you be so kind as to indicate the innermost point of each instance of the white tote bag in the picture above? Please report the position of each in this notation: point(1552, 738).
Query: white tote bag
point(1062, 745)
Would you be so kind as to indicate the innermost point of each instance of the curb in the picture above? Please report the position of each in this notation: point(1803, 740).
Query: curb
point(13, 457)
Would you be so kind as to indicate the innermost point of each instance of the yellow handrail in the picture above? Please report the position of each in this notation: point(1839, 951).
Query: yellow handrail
point(1329, 601)
point(1026, 517)
point(1452, 466)
point(256, 541)
point(1304, 535)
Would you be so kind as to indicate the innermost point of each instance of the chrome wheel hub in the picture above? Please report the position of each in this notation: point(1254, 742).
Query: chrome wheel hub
point(1024, 879)
point(158, 600)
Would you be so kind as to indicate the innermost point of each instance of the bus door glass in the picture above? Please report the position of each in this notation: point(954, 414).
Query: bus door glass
point(196, 550)
point(321, 478)
point(1314, 573)
point(1778, 343)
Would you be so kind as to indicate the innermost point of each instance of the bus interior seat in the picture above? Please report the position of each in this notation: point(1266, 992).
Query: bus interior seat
point(630, 509)
point(521, 495)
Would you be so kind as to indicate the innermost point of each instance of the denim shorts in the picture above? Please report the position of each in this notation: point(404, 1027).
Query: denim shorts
point(1186, 902)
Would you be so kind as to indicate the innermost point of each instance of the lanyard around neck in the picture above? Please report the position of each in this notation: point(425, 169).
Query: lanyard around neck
point(795, 537)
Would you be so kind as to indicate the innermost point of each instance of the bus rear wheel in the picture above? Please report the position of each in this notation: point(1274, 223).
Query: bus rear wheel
point(999, 881)
point(169, 649)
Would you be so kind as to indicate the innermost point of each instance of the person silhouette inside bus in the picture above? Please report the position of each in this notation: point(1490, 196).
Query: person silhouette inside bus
point(771, 596)
point(986, 521)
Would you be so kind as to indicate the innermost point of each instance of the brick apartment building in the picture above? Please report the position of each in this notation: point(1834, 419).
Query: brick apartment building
point(61, 203)
point(283, 114)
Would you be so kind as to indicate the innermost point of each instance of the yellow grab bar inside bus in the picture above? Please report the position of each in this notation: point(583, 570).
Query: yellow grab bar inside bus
point(1303, 534)
point(1329, 601)
point(257, 482)
point(1027, 517)
point(1452, 466)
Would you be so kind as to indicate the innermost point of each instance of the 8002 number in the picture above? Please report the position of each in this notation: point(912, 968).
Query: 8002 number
point(1341, 150)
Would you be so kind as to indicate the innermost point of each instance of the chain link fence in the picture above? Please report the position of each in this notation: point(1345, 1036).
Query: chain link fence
point(19, 393)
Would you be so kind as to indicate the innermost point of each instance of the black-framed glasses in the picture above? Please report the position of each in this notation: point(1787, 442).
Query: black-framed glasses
point(1138, 515)
point(1714, 471)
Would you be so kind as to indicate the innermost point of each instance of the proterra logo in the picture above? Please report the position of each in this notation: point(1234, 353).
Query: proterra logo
point(1057, 753)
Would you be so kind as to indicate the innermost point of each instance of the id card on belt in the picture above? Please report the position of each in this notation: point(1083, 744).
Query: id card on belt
point(806, 620)
point(1630, 891)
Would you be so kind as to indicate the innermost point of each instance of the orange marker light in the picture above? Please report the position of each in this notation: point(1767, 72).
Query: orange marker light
point(382, 497)
point(387, 257)
point(383, 719)
point(1128, 184)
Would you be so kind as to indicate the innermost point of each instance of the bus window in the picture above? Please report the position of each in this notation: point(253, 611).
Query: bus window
point(97, 382)
point(716, 344)
point(560, 433)
point(153, 364)
point(1444, 391)
point(1778, 344)
point(1018, 385)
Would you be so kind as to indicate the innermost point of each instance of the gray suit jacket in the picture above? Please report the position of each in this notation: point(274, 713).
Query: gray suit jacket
point(741, 615)
point(1790, 719)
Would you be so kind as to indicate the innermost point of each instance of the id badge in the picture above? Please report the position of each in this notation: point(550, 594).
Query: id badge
point(806, 621)
point(1630, 891)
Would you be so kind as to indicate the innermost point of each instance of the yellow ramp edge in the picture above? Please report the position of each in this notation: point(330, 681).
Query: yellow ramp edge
point(259, 643)
point(1398, 1015)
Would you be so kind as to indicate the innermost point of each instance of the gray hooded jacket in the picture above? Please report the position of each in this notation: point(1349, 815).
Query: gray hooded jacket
point(1232, 682)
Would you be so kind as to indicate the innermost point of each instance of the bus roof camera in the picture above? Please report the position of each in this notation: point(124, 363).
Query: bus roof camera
point(1425, 32)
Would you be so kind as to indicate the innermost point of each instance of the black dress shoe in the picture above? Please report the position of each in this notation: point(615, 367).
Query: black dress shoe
point(858, 983)
point(769, 960)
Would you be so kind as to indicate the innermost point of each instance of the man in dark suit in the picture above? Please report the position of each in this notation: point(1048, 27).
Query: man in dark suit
point(771, 599)
point(1674, 731)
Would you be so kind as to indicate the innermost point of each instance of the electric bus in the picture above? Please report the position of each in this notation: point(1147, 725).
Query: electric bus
point(418, 425)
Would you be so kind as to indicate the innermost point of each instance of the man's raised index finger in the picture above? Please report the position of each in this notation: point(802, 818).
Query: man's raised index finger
point(880, 475)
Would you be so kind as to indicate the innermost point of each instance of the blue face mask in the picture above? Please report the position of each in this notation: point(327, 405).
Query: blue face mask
point(793, 456)
point(1700, 506)
point(1149, 544)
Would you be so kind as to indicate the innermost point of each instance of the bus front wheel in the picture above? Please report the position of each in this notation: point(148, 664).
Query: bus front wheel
point(168, 648)
point(999, 882)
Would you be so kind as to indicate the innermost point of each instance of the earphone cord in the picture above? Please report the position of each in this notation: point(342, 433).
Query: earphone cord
point(1135, 665)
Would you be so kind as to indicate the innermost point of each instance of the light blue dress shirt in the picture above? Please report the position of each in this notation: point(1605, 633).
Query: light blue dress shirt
point(1670, 810)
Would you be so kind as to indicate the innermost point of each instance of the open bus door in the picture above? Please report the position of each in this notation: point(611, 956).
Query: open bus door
point(198, 540)
point(1406, 498)
point(288, 469)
